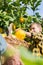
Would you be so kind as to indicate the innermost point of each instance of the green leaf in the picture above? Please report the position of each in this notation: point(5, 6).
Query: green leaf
point(38, 3)
point(8, 1)
point(0, 1)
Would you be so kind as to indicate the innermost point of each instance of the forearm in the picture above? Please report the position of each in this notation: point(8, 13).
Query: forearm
point(28, 34)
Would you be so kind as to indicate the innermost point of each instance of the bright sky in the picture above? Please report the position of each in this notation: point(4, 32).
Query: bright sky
point(40, 10)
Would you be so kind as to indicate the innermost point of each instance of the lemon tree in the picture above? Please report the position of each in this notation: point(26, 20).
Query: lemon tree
point(14, 11)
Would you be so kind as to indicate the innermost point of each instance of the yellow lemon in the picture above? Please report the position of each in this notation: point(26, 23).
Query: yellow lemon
point(22, 19)
point(14, 27)
point(20, 34)
point(1, 30)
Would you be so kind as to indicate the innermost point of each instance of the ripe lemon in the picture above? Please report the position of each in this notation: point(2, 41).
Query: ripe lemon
point(20, 34)
point(22, 19)
point(14, 27)
point(1, 30)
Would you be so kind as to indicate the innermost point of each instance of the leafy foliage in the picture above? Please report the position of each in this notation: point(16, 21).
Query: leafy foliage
point(12, 11)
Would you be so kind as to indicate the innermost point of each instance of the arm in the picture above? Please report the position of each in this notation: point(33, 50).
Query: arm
point(28, 34)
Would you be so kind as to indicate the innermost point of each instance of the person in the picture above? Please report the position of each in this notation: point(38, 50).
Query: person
point(34, 28)
point(35, 37)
